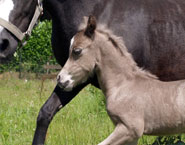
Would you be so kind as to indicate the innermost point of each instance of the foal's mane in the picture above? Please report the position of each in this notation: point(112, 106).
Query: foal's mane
point(119, 45)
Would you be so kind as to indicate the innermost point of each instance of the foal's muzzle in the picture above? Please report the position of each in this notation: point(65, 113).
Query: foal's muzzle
point(65, 83)
point(62, 84)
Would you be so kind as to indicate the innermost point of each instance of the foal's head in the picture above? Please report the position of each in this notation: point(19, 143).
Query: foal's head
point(82, 58)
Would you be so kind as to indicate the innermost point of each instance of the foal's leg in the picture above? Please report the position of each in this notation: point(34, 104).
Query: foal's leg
point(120, 136)
point(56, 101)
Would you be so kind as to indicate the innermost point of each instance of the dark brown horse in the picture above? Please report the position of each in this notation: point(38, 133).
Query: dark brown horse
point(153, 31)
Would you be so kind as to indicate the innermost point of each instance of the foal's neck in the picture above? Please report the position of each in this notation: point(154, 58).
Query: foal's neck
point(116, 66)
point(113, 67)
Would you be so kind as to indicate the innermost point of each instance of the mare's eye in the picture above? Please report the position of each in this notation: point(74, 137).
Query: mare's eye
point(77, 51)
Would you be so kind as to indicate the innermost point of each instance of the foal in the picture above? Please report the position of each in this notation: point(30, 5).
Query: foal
point(136, 101)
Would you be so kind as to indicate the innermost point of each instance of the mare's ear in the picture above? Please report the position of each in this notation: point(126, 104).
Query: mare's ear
point(91, 26)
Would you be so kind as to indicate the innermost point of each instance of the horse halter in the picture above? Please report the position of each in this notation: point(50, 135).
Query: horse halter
point(16, 31)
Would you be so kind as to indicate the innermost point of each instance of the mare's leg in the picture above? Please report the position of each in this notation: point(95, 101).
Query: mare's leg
point(56, 101)
point(121, 136)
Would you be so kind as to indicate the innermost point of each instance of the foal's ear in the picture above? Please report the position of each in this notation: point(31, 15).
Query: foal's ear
point(91, 26)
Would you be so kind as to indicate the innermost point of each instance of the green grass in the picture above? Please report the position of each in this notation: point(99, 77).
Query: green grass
point(82, 122)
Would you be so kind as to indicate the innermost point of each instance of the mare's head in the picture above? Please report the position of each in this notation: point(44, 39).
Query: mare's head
point(19, 13)
point(82, 58)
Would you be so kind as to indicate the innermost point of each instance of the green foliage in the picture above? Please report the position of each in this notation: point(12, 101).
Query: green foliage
point(169, 140)
point(38, 47)
point(35, 53)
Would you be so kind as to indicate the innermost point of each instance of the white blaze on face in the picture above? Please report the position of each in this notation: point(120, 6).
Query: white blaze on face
point(6, 6)
point(72, 41)
point(64, 76)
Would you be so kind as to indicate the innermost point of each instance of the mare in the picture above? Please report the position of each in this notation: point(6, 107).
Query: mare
point(153, 32)
point(136, 101)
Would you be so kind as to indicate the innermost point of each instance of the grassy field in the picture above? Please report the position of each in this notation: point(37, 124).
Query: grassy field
point(82, 122)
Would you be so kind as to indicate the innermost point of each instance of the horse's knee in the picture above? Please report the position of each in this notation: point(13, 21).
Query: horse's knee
point(44, 117)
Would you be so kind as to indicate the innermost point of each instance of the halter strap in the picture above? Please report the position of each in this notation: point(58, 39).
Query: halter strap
point(37, 14)
point(12, 28)
point(16, 31)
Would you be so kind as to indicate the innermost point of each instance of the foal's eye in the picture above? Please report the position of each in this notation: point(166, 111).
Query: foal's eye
point(77, 51)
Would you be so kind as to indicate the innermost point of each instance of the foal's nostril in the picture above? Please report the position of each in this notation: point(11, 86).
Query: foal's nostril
point(3, 45)
point(66, 83)
point(63, 84)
